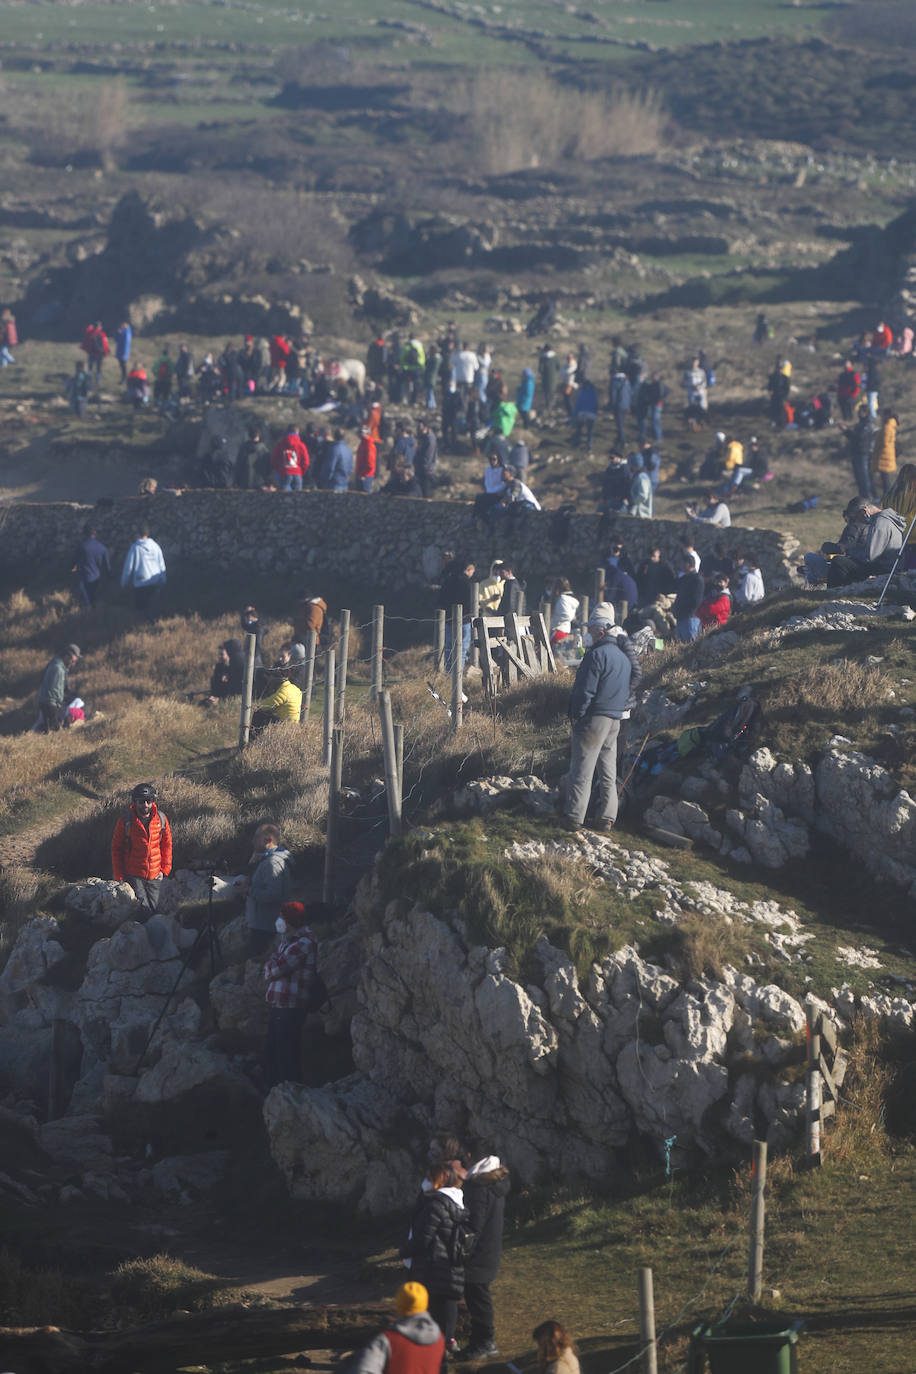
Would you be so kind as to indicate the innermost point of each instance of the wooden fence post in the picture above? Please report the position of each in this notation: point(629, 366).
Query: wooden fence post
point(813, 1100)
point(311, 647)
point(439, 643)
point(647, 1322)
point(330, 848)
point(473, 653)
point(389, 752)
point(328, 706)
point(378, 640)
point(251, 642)
point(457, 670)
point(343, 658)
point(600, 583)
point(583, 611)
point(758, 1205)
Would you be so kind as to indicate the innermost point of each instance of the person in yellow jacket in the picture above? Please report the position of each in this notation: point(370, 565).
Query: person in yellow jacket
point(902, 499)
point(734, 471)
point(285, 703)
point(886, 453)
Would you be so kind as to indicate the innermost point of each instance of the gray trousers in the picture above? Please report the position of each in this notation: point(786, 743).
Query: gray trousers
point(147, 890)
point(594, 745)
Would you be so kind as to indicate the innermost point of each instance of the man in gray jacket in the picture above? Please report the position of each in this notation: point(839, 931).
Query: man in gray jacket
point(605, 682)
point(52, 694)
point(413, 1345)
point(267, 889)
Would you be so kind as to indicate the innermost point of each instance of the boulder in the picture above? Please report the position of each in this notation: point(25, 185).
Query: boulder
point(185, 1068)
point(106, 903)
point(35, 952)
point(200, 1172)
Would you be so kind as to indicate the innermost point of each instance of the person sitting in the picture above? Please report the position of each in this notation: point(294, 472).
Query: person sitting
point(718, 562)
point(138, 386)
point(715, 512)
point(749, 588)
point(717, 606)
point(556, 1352)
point(885, 531)
point(494, 484)
point(228, 674)
point(283, 704)
point(516, 500)
point(851, 544)
point(402, 482)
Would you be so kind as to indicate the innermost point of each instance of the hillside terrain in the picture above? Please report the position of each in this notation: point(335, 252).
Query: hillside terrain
point(618, 1016)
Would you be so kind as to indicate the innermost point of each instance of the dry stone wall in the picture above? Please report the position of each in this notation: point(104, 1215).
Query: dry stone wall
point(328, 534)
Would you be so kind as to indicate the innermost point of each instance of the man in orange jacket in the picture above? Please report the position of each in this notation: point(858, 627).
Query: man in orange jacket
point(141, 847)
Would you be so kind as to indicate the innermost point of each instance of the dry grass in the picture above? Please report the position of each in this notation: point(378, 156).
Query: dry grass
point(522, 119)
point(831, 687)
point(703, 945)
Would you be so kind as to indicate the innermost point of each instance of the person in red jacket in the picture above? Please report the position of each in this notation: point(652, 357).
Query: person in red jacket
point(882, 339)
point(716, 609)
point(848, 387)
point(279, 347)
point(290, 460)
point(141, 847)
point(366, 460)
point(95, 346)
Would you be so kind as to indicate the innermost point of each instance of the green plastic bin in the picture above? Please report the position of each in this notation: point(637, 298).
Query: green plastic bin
point(746, 1348)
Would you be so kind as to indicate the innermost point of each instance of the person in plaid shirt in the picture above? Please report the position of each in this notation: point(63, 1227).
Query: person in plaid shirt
point(290, 972)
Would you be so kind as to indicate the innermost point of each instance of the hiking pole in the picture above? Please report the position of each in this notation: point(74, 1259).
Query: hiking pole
point(897, 559)
point(623, 787)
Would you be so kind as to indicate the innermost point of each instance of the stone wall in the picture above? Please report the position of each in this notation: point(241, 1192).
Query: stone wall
point(349, 534)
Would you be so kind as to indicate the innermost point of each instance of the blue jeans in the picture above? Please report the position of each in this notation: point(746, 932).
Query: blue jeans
point(6, 357)
point(365, 484)
point(686, 631)
point(589, 422)
point(292, 482)
point(816, 566)
point(655, 422)
point(430, 398)
point(465, 642)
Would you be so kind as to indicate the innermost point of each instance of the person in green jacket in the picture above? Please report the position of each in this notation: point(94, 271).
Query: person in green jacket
point(52, 694)
point(502, 421)
point(413, 365)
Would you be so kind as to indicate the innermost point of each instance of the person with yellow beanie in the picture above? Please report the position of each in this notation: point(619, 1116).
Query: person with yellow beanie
point(412, 1345)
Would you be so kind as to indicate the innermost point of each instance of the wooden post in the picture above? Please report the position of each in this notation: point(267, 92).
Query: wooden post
point(251, 643)
point(813, 1100)
point(378, 640)
point(755, 1258)
point(55, 1070)
point(647, 1322)
point(473, 654)
point(311, 647)
point(439, 643)
point(399, 757)
point(600, 583)
point(328, 707)
point(457, 667)
point(343, 657)
point(330, 846)
point(391, 767)
point(583, 611)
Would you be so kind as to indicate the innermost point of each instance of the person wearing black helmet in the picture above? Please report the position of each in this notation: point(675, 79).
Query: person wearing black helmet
point(141, 847)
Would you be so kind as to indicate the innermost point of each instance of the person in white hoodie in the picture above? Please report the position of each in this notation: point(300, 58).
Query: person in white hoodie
point(412, 1345)
point(748, 582)
point(436, 1246)
point(144, 570)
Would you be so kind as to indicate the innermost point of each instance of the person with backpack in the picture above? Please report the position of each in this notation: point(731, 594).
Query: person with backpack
point(486, 1187)
point(440, 1237)
point(141, 848)
point(267, 888)
point(96, 346)
point(289, 459)
point(413, 365)
point(292, 979)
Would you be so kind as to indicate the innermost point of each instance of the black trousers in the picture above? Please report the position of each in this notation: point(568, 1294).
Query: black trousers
point(480, 1307)
point(283, 1049)
point(444, 1312)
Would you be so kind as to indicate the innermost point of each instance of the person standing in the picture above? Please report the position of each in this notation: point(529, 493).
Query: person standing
point(290, 972)
point(435, 1247)
point(267, 888)
point(123, 340)
point(366, 461)
point(413, 1345)
point(92, 561)
point(486, 1187)
point(9, 338)
point(290, 460)
point(548, 371)
point(141, 847)
point(886, 453)
point(605, 680)
point(52, 691)
point(455, 590)
point(691, 591)
point(861, 441)
point(426, 458)
point(144, 570)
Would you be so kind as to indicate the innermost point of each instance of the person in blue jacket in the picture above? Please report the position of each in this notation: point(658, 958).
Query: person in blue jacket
point(123, 340)
point(339, 470)
point(524, 397)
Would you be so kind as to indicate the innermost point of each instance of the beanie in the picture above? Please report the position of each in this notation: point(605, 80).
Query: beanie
point(411, 1298)
point(293, 913)
point(602, 614)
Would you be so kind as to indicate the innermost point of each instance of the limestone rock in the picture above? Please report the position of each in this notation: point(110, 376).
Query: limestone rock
point(237, 997)
point(35, 952)
point(200, 1172)
point(105, 902)
point(183, 1068)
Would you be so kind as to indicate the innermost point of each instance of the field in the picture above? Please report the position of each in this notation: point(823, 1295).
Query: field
point(662, 170)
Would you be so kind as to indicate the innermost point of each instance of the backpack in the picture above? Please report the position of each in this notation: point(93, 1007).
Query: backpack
point(464, 1238)
point(318, 995)
point(411, 356)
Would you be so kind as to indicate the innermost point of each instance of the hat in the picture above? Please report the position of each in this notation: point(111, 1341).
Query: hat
point(72, 650)
point(293, 913)
point(720, 436)
point(411, 1298)
point(602, 614)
